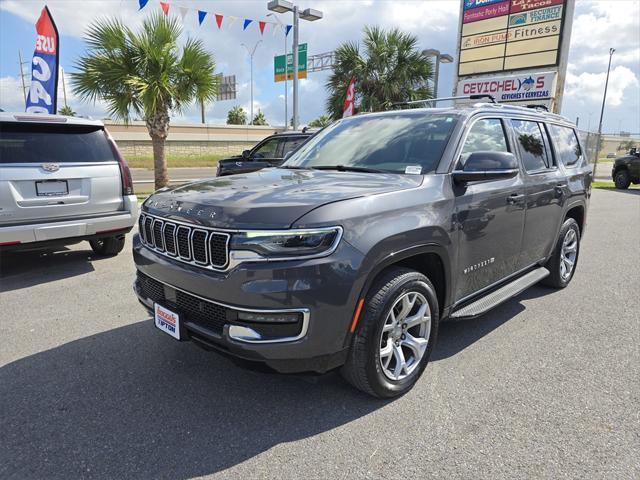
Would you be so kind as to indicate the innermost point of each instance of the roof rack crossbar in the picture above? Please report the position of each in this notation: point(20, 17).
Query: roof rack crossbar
point(443, 99)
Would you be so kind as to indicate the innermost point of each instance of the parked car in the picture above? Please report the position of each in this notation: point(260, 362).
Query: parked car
point(377, 229)
point(62, 181)
point(270, 152)
point(626, 170)
point(611, 155)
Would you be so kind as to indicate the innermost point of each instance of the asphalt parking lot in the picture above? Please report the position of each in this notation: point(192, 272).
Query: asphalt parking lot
point(545, 386)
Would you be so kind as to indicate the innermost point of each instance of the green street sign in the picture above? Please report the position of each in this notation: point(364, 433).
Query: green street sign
point(279, 65)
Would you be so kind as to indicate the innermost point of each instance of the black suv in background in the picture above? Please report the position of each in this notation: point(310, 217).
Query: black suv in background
point(626, 170)
point(270, 152)
point(373, 232)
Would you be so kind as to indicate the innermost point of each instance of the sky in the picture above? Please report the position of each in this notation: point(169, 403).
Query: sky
point(597, 26)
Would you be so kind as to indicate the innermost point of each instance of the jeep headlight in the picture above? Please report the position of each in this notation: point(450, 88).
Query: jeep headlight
point(288, 243)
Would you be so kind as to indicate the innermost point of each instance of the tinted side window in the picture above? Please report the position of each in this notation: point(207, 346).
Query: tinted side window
point(267, 150)
point(531, 145)
point(566, 144)
point(486, 135)
point(292, 143)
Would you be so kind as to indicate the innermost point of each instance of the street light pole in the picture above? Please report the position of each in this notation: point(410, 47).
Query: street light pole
point(439, 57)
point(604, 100)
point(286, 73)
point(251, 52)
point(295, 68)
point(309, 14)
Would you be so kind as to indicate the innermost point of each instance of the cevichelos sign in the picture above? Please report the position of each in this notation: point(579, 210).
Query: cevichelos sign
point(509, 35)
point(42, 96)
point(512, 88)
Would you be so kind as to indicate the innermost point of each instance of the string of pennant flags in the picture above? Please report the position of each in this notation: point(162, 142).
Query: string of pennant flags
point(227, 20)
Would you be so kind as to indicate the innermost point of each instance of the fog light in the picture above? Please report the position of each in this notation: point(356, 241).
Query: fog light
point(261, 317)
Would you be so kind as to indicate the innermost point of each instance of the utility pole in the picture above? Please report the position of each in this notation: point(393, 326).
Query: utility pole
point(64, 88)
point(286, 70)
point(604, 101)
point(24, 88)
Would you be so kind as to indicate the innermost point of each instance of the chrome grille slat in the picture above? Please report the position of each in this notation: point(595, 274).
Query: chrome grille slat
point(195, 245)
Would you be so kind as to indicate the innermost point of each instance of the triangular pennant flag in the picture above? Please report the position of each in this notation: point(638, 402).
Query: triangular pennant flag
point(201, 16)
point(286, 30)
point(275, 29)
point(183, 12)
point(164, 7)
point(232, 20)
point(143, 3)
point(219, 20)
point(261, 26)
point(247, 22)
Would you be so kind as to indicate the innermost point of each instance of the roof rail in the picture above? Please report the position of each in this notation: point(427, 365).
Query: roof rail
point(538, 106)
point(442, 99)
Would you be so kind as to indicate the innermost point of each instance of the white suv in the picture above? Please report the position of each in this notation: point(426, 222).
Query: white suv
point(62, 180)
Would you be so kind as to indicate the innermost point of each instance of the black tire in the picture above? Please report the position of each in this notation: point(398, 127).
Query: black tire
point(108, 246)
point(363, 368)
point(556, 279)
point(622, 179)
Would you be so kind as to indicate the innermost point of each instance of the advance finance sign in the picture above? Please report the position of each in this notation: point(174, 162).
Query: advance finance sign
point(524, 87)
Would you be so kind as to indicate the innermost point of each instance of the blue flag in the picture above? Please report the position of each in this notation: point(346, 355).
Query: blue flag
point(287, 30)
point(247, 22)
point(201, 16)
point(43, 92)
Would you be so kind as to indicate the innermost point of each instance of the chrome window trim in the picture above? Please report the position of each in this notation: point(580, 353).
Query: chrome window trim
point(235, 257)
point(306, 314)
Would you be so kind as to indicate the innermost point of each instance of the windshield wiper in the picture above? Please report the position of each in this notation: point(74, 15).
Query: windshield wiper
point(347, 168)
point(293, 167)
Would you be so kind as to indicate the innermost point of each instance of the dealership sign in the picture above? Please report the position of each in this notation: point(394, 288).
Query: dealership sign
point(512, 88)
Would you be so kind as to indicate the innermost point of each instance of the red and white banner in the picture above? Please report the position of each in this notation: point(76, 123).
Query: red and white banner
point(349, 100)
point(43, 93)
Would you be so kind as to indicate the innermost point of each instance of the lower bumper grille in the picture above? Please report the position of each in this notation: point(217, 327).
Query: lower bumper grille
point(192, 309)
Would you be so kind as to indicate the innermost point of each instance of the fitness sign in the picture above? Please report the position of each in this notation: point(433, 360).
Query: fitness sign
point(43, 92)
point(507, 35)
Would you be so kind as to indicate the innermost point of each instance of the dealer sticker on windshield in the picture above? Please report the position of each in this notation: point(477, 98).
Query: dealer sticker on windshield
point(413, 169)
point(167, 321)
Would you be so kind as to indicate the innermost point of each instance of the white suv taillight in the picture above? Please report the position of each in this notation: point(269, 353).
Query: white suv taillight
point(125, 173)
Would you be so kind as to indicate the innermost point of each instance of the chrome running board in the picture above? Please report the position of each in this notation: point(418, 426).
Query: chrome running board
point(504, 293)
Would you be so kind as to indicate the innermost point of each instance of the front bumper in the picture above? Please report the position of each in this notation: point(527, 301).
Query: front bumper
point(72, 229)
point(324, 291)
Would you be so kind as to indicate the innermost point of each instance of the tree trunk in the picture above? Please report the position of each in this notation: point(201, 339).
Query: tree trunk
point(159, 162)
point(158, 127)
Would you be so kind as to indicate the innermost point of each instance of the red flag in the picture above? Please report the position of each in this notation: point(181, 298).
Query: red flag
point(261, 25)
point(219, 20)
point(350, 98)
point(164, 7)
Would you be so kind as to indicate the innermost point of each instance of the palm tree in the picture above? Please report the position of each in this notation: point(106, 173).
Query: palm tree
point(259, 119)
point(388, 69)
point(320, 122)
point(145, 73)
point(237, 116)
point(66, 111)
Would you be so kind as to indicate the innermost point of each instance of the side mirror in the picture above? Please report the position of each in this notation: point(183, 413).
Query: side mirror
point(245, 154)
point(483, 166)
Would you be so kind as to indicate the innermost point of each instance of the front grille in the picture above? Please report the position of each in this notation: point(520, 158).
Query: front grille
point(190, 244)
point(190, 308)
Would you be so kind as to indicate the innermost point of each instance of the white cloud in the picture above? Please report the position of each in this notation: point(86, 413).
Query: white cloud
point(588, 87)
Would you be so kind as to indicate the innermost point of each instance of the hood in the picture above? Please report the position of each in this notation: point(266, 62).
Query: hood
point(270, 198)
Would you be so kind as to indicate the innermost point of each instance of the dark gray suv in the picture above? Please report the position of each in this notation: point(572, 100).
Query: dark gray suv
point(377, 229)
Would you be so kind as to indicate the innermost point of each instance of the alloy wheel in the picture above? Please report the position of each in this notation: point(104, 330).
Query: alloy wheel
point(405, 335)
point(568, 254)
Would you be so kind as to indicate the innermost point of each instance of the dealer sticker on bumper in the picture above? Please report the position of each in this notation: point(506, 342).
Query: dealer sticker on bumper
point(167, 321)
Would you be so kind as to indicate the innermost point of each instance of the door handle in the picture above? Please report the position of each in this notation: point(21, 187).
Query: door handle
point(514, 198)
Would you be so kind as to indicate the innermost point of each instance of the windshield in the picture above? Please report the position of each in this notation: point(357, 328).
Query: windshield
point(406, 142)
